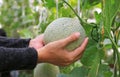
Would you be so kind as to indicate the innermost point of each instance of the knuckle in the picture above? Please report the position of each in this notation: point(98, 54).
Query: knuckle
point(69, 59)
point(73, 37)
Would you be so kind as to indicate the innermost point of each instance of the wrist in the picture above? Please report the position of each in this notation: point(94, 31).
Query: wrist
point(31, 42)
point(40, 55)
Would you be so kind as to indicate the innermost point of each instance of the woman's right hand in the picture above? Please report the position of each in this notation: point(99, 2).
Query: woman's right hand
point(55, 52)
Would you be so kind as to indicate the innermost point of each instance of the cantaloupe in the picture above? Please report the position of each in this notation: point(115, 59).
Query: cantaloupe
point(62, 28)
point(46, 70)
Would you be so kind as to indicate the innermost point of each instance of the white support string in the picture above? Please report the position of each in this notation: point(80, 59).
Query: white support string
point(78, 9)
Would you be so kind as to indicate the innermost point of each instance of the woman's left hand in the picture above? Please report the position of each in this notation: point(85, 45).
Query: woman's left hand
point(37, 42)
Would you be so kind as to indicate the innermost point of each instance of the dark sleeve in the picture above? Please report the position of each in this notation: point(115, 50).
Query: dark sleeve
point(17, 58)
point(14, 43)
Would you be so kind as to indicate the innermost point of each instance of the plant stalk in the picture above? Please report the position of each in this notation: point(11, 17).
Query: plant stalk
point(81, 21)
point(116, 51)
point(73, 11)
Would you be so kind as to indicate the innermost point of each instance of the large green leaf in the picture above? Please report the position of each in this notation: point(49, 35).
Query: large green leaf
point(92, 57)
point(110, 9)
point(89, 3)
point(104, 71)
point(76, 72)
point(79, 72)
point(89, 56)
point(95, 66)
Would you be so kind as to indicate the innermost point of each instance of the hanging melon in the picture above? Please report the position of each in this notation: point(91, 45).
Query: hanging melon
point(62, 28)
point(46, 70)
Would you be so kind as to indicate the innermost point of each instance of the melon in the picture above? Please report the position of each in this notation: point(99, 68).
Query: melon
point(62, 28)
point(46, 70)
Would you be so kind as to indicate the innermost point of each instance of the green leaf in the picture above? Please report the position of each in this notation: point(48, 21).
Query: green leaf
point(89, 56)
point(76, 72)
point(81, 71)
point(88, 28)
point(110, 9)
point(66, 69)
point(86, 4)
point(95, 66)
point(104, 71)
point(98, 17)
point(69, 68)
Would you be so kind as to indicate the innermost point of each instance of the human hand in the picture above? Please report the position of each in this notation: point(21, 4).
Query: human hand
point(56, 53)
point(37, 42)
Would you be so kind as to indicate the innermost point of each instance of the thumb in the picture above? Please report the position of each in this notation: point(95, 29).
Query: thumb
point(70, 38)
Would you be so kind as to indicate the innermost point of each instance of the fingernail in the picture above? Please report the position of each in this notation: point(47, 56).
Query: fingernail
point(77, 34)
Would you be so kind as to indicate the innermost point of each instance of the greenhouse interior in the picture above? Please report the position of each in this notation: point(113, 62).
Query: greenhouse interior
point(37, 28)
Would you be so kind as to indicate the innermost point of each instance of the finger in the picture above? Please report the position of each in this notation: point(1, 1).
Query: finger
point(70, 39)
point(80, 50)
point(41, 38)
point(78, 57)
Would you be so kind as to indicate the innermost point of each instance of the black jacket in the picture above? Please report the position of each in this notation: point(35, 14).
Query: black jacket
point(16, 55)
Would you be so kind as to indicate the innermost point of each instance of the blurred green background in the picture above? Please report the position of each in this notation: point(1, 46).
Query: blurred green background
point(29, 18)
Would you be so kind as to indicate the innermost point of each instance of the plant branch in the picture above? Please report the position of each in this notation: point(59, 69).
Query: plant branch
point(73, 11)
point(81, 21)
point(117, 27)
point(115, 48)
